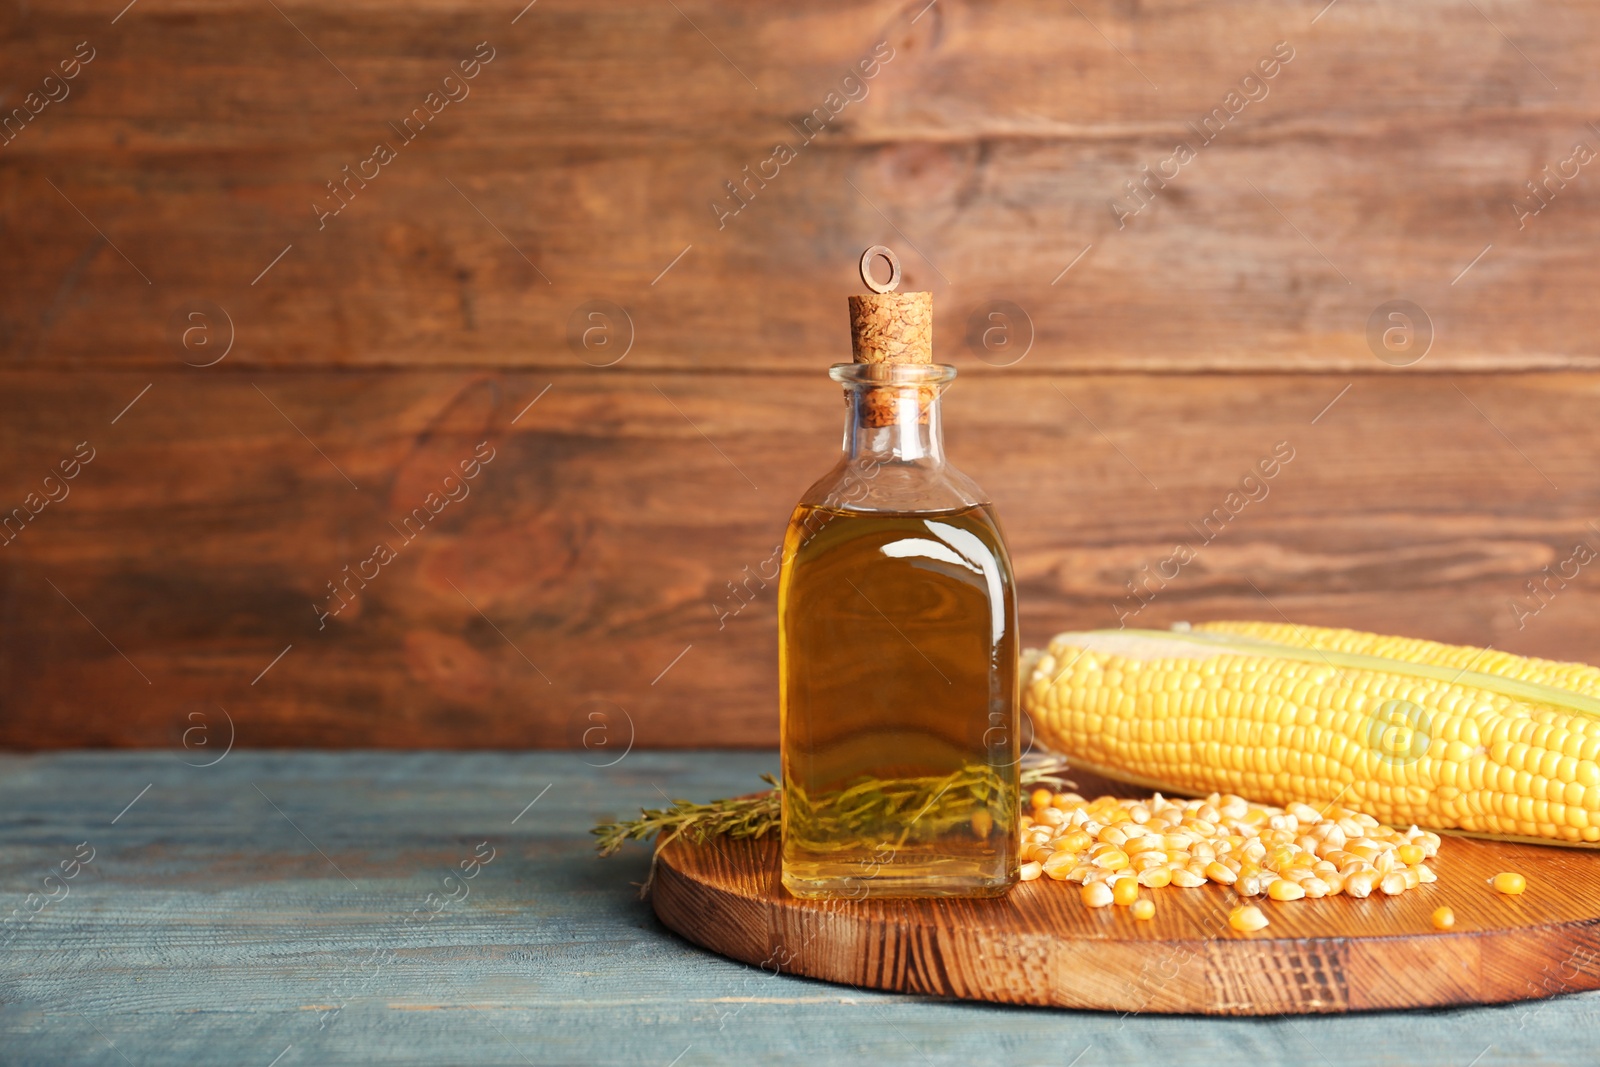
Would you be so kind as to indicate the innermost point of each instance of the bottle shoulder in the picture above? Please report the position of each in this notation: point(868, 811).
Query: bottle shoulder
point(847, 542)
point(867, 484)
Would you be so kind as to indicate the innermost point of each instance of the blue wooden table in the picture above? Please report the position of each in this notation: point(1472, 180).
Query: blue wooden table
point(279, 909)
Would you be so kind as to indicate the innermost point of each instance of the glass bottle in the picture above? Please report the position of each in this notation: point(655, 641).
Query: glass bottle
point(897, 658)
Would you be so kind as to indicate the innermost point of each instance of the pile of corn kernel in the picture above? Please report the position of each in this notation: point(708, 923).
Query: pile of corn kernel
point(1114, 847)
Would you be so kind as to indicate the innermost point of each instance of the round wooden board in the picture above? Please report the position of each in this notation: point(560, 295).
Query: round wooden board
point(1041, 945)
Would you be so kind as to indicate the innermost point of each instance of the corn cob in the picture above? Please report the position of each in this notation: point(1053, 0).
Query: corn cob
point(1573, 677)
point(1410, 733)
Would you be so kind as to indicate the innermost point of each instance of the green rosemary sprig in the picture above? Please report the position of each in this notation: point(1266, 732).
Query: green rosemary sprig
point(862, 805)
point(751, 816)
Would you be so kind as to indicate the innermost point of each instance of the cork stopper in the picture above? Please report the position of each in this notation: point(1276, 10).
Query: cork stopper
point(886, 326)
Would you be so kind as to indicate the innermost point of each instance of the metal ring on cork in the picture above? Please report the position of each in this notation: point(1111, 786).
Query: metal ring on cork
point(894, 268)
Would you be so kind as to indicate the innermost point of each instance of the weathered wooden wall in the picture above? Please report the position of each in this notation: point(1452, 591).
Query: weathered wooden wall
point(373, 351)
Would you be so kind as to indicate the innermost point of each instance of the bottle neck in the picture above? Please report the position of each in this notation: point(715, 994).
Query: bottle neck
point(893, 423)
point(893, 446)
point(892, 411)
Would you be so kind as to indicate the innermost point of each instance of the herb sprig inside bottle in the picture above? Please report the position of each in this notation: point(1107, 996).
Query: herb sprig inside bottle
point(865, 805)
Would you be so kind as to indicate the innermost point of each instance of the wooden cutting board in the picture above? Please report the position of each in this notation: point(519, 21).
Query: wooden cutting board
point(1041, 945)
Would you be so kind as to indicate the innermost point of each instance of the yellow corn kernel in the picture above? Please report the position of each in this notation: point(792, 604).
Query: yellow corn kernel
point(1059, 864)
point(1247, 918)
point(1144, 909)
point(1393, 884)
point(1304, 813)
point(982, 823)
point(1283, 889)
point(1360, 883)
point(1187, 879)
point(1041, 798)
point(1145, 861)
point(1096, 894)
point(1030, 871)
point(1125, 891)
point(1077, 841)
point(1509, 883)
point(1112, 860)
point(1220, 873)
point(1353, 868)
point(1410, 855)
point(1155, 877)
point(1443, 918)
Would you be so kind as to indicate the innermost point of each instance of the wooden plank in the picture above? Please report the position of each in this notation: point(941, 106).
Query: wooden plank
point(589, 150)
point(593, 568)
point(207, 930)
